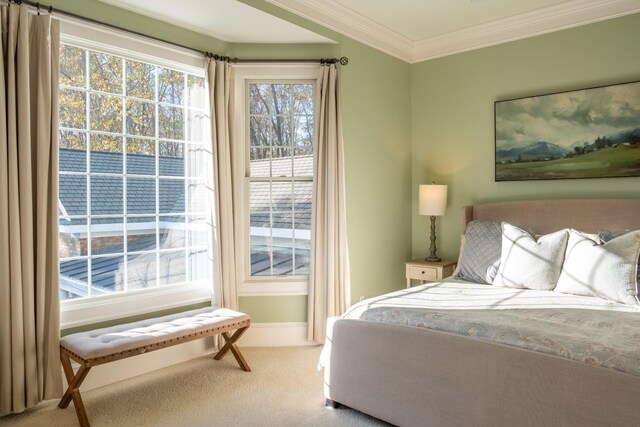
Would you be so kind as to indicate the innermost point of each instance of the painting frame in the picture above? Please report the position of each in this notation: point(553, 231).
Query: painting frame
point(575, 134)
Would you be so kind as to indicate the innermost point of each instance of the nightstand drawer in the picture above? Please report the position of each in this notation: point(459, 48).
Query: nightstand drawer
point(423, 273)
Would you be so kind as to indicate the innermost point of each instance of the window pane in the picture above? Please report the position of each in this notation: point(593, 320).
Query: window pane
point(142, 271)
point(141, 118)
point(269, 98)
point(302, 98)
point(282, 256)
point(106, 195)
point(72, 109)
point(141, 233)
point(105, 72)
point(260, 253)
point(73, 151)
point(303, 195)
point(260, 132)
point(170, 86)
point(141, 156)
point(72, 240)
point(199, 265)
point(106, 153)
point(173, 233)
point(106, 113)
point(196, 161)
point(107, 236)
point(72, 66)
point(303, 161)
point(171, 158)
point(107, 275)
point(171, 122)
point(173, 268)
point(260, 162)
point(281, 196)
point(302, 251)
point(74, 281)
point(73, 194)
point(141, 80)
point(196, 122)
point(141, 195)
point(303, 131)
point(282, 162)
point(199, 196)
point(197, 95)
point(198, 232)
point(172, 196)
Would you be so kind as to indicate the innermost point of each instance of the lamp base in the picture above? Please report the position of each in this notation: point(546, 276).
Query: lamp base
point(433, 259)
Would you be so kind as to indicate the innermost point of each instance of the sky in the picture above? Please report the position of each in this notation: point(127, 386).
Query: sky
point(569, 117)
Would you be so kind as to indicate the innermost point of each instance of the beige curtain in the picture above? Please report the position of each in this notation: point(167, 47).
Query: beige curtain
point(225, 257)
point(329, 287)
point(29, 295)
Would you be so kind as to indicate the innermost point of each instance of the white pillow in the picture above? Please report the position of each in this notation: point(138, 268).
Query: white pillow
point(606, 271)
point(529, 264)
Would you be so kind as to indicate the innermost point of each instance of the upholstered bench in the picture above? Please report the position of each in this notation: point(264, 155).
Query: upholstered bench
point(106, 345)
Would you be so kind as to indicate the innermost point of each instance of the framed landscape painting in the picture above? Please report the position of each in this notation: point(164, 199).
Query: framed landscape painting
point(589, 133)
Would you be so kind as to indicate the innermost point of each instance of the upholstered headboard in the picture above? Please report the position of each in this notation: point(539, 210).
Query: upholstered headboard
point(545, 216)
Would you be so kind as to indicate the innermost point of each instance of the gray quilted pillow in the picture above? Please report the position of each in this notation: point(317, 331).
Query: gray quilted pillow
point(606, 235)
point(482, 250)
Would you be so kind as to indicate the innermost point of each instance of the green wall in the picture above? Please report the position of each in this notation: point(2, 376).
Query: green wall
point(377, 133)
point(452, 116)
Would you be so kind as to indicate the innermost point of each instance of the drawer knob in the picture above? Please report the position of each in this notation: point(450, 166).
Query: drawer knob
point(423, 272)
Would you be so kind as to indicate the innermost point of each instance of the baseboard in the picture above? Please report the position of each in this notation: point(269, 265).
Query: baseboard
point(258, 335)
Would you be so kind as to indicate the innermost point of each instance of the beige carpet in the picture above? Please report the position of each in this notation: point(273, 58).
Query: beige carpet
point(283, 389)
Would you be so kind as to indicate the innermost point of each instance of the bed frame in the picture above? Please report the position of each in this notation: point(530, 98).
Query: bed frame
point(412, 376)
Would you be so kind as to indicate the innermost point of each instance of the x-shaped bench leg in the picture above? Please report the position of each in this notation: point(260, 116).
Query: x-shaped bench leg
point(73, 390)
point(231, 345)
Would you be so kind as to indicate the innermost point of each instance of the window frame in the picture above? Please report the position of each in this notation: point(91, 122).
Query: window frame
point(246, 74)
point(118, 305)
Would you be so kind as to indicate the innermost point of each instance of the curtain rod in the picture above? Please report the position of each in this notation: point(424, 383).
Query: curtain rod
point(50, 9)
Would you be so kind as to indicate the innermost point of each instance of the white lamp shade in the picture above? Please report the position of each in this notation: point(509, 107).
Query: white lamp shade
point(432, 199)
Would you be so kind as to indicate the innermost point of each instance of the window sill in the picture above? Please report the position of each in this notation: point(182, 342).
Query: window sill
point(100, 309)
point(273, 288)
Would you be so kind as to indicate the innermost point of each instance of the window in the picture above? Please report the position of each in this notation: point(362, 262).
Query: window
point(280, 177)
point(278, 124)
point(133, 187)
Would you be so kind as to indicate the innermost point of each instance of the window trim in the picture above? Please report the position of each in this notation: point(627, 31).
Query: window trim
point(244, 74)
point(118, 305)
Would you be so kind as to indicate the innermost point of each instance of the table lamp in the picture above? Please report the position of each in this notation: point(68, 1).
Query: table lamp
point(432, 201)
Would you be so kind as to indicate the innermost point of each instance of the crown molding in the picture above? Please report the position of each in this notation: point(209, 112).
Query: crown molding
point(554, 18)
point(343, 20)
point(334, 16)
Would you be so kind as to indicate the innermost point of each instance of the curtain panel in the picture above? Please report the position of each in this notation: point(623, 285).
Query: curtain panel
point(29, 288)
point(329, 282)
point(224, 205)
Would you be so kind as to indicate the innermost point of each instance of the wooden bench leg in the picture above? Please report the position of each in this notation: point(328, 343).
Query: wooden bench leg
point(231, 345)
point(73, 389)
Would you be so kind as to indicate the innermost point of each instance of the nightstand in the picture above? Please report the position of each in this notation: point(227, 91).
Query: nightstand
point(419, 269)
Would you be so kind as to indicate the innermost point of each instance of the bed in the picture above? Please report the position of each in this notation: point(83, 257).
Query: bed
point(456, 353)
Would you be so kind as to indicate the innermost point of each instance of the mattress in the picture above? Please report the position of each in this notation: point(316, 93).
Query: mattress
point(585, 329)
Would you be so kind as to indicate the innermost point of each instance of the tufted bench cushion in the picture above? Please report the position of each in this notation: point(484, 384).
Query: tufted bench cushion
point(115, 339)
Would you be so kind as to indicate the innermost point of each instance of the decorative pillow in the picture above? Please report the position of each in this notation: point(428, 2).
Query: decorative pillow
point(607, 271)
point(527, 263)
point(481, 249)
point(605, 235)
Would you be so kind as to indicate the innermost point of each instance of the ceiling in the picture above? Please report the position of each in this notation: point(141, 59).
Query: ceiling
point(412, 30)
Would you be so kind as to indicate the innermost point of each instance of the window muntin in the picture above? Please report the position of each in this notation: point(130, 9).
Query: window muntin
point(133, 184)
point(280, 177)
